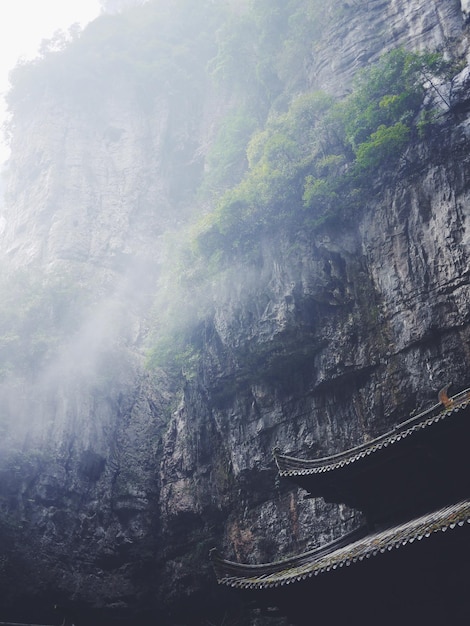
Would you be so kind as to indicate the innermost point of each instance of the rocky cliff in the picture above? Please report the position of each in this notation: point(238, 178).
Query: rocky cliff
point(116, 479)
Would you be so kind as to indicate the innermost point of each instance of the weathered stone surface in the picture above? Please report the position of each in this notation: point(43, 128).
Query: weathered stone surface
point(362, 31)
point(114, 484)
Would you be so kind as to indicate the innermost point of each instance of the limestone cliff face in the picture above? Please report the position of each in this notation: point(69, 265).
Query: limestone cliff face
point(348, 335)
point(95, 188)
point(363, 30)
point(330, 340)
point(120, 479)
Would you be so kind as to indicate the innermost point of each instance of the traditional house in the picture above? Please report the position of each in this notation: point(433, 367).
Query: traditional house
point(413, 485)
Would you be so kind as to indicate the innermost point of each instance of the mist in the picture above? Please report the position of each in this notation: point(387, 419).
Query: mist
point(217, 233)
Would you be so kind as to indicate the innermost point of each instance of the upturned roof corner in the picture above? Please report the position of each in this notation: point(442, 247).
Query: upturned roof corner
point(411, 483)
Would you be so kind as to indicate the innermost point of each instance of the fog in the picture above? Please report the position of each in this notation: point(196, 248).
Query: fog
point(73, 333)
point(24, 25)
point(152, 154)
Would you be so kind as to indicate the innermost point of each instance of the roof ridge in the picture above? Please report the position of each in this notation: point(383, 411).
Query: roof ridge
point(292, 466)
point(310, 564)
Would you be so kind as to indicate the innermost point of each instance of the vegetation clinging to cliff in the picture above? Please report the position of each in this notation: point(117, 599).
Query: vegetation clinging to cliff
point(263, 51)
point(36, 315)
point(315, 161)
point(284, 157)
point(159, 47)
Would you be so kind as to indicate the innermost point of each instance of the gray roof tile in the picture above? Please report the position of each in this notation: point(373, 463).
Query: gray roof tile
point(341, 553)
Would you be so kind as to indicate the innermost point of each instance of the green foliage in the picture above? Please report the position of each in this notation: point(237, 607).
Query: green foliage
point(264, 51)
point(386, 107)
point(174, 349)
point(315, 160)
point(233, 64)
point(295, 161)
point(389, 92)
point(157, 47)
point(306, 23)
point(180, 308)
point(35, 315)
point(227, 161)
point(383, 145)
point(278, 159)
point(320, 193)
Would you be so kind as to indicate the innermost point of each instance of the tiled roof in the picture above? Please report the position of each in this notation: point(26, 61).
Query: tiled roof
point(290, 466)
point(340, 553)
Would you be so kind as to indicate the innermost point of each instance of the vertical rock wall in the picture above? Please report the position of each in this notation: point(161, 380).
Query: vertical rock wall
point(328, 342)
point(120, 480)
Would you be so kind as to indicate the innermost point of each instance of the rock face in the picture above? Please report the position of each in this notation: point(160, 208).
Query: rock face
point(362, 31)
point(115, 481)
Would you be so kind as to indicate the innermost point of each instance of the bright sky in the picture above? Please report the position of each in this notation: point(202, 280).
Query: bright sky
point(24, 24)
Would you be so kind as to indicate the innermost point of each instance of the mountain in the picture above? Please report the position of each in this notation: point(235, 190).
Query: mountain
point(227, 227)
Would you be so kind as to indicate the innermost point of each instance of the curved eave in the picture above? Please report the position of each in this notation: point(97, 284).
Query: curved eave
point(290, 467)
point(310, 564)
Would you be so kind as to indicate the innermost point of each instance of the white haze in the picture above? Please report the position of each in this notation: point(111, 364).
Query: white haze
point(74, 394)
point(24, 24)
